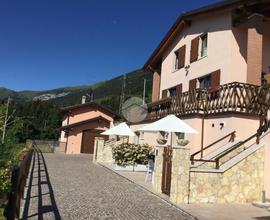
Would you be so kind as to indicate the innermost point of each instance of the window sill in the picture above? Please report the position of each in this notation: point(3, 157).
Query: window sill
point(177, 70)
point(200, 58)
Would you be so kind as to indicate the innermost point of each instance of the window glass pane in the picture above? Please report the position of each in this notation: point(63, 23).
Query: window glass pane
point(204, 45)
point(180, 135)
point(205, 82)
point(176, 60)
point(172, 91)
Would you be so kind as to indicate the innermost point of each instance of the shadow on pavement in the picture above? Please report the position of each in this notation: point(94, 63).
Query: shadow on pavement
point(40, 182)
point(263, 218)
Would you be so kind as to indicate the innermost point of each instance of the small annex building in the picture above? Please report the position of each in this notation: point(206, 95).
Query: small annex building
point(82, 124)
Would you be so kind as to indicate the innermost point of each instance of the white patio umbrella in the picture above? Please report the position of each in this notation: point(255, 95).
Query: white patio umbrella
point(121, 130)
point(169, 124)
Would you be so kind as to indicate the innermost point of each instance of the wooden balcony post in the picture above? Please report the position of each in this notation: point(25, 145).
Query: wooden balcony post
point(202, 138)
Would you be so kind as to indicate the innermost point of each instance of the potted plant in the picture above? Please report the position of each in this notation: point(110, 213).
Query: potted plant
point(131, 157)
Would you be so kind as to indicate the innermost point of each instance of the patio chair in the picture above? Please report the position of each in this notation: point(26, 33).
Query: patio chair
point(150, 169)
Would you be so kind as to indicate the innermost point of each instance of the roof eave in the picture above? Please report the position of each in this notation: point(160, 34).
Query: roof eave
point(155, 58)
point(70, 108)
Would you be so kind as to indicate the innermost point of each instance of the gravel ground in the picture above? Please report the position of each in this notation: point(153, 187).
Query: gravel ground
point(72, 187)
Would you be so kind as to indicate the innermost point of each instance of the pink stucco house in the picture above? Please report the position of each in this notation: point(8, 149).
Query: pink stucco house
point(82, 124)
point(207, 70)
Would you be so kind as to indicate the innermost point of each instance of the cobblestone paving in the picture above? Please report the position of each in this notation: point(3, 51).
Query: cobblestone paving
point(75, 188)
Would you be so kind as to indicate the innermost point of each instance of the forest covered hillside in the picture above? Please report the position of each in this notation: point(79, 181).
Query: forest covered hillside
point(106, 92)
point(36, 114)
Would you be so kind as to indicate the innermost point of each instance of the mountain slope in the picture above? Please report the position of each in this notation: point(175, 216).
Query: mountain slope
point(105, 92)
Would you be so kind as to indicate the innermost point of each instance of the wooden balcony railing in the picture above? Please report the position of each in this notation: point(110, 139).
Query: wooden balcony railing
point(231, 97)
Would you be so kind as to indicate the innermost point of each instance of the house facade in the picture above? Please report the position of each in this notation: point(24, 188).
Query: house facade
point(82, 124)
point(208, 71)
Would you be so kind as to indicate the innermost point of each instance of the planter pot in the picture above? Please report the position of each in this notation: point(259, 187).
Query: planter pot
point(161, 141)
point(140, 168)
point(131, 168)
point(182, 142)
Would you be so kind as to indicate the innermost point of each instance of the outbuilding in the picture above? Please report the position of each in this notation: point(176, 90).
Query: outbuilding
point(82, 124)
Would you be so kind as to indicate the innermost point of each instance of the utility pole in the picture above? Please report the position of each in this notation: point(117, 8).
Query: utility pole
point(122, 97)
point(5, 122)
point(144, 85)
point(91, 96)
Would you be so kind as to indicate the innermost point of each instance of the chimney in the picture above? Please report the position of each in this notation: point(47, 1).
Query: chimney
point(83, 99)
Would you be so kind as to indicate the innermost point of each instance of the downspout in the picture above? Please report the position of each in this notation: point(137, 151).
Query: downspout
point(188, 187)
point(202, 137)
point(68, 134)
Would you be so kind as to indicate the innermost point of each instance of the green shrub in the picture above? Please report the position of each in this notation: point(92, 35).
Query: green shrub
point(130, 154)
point(10, 153)
point(4, 180)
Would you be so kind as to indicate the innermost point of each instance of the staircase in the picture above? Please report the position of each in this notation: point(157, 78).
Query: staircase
point(264, 204)
point(226, 156)
point(231, 173)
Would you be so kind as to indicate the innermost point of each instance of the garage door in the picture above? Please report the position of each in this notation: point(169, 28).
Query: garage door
point(88, 141)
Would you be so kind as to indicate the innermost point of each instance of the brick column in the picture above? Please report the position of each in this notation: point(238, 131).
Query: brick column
point(156, 86)
point(254, 49)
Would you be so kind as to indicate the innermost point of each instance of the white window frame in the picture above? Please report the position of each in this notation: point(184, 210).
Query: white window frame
point(201, 46)
point(175, 61)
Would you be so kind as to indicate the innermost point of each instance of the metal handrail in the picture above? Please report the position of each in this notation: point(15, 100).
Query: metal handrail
point(217, 160)
point(232, 134)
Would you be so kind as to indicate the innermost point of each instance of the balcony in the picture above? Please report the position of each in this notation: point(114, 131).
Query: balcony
point(233, 97)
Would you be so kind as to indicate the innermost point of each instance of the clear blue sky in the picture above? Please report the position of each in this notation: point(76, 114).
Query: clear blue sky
point(47, 44)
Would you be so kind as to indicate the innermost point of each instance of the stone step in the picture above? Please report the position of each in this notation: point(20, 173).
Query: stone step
point(262, 205)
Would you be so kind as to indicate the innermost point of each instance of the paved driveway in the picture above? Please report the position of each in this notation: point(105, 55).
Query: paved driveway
point(72, 187)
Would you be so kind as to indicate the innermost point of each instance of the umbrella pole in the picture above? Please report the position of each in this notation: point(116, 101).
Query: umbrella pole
point(171, 140)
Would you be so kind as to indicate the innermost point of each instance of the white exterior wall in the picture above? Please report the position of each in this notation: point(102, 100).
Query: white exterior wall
point(227, 51)
point(62, 135)
point(218, 54)
point(212, 131)
point(149, 137)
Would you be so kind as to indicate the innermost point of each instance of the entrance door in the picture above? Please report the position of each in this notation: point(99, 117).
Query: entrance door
point(88, 141)
point(167, 171)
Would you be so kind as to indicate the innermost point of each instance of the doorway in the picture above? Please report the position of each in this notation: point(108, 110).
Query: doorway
point(88, 141)
point(167, 171)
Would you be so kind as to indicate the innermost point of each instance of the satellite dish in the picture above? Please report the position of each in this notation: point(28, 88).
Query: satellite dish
point(134, 110)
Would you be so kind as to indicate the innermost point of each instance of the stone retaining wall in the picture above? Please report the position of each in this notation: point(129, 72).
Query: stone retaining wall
point(102, 152)
point(157, 175)
point(180, 175)
point(243, 183)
